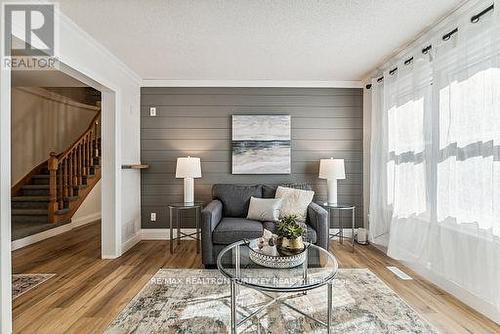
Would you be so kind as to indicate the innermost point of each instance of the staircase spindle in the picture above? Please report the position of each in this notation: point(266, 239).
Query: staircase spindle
point(81, 171)
point(60, 188)
point(65, 178)
point(89, 152)
point(96, 152)
point(71, 175)
point(53, 205)
point(84, 152)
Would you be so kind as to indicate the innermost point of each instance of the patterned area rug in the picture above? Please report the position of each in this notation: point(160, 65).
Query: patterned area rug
point(22, 283)
point(197, 301)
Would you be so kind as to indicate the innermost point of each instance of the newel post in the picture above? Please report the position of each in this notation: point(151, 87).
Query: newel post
point(53, 205)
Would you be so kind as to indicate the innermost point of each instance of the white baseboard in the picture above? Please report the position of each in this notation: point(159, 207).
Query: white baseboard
point(29, 240)
point(460, 293)
point(131, 242)
point(162, 233)
point(86, 219)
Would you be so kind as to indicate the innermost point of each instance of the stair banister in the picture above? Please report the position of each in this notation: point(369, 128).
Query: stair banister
point(71, 166)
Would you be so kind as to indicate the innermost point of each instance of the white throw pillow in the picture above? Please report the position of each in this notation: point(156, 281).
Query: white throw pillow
point(295, 202)
point(264, 209)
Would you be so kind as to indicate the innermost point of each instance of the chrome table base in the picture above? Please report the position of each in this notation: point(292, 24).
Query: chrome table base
point(235, 323)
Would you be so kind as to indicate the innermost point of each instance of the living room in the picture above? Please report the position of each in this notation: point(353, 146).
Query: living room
point(268, 166)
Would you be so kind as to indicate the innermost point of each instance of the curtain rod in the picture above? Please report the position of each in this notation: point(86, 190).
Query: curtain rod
point(445, 37)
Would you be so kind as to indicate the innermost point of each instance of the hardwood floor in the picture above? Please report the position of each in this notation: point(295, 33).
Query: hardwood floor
point(88, 292)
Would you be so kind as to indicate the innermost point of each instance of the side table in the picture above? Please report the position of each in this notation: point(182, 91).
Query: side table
point(177, 208)
point(330, 207)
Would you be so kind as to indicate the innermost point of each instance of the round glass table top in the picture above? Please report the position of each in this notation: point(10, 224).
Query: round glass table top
point(319, 268)
point(339, 206)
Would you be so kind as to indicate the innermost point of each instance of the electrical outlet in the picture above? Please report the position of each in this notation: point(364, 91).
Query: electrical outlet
point(153, 216)
point(152, 111)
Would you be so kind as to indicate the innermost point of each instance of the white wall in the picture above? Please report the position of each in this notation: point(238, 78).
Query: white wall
point(42, 122)
point(90, 210)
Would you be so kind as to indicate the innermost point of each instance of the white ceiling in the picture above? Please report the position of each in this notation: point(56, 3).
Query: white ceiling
point(307, 40)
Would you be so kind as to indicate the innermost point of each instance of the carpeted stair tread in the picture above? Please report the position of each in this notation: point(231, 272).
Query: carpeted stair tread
point(30, 199)
point(36, 186)
point(29, 212)
point(62, 211)
point(41, 176)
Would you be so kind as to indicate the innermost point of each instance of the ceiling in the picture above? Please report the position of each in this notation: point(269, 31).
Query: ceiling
point(288, 40)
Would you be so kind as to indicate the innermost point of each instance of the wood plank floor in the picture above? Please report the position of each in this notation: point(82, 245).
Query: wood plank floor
point(88, 292)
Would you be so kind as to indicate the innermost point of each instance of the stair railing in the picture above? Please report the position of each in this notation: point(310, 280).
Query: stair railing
point(68, 170)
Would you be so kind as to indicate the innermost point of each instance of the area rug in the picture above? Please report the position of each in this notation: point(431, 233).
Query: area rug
point(22, 283)
point(197, 301)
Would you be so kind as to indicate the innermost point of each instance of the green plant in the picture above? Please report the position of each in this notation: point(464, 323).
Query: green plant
point(288, 227)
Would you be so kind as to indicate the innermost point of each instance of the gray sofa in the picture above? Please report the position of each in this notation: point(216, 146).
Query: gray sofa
point(223, 220)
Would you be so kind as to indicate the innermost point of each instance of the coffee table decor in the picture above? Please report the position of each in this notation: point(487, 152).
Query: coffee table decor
point(269, 256)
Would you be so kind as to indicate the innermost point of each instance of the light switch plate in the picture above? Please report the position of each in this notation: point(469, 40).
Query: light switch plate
point(152, 111)
point(153, 216)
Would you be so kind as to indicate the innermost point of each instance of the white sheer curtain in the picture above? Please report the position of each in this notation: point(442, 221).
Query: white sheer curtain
point(435, 159)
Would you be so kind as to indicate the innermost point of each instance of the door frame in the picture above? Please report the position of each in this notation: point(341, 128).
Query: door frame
point(110, 181)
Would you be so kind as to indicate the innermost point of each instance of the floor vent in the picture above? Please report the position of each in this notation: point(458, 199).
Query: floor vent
point(396, 271)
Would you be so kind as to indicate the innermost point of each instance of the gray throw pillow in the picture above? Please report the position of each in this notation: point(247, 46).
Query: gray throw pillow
point(264, 209)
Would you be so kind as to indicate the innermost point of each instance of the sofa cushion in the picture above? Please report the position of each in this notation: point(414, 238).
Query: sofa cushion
point(236, 198)
point(269, 190)
point(230, 230)
point(311, 235)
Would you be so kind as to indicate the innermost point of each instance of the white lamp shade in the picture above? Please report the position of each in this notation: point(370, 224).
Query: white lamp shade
point(188, 167)
point(331, 169)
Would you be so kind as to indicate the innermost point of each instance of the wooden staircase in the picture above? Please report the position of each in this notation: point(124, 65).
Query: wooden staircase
point(53, 191)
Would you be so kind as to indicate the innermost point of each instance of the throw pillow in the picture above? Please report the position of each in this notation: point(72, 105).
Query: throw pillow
point(264, 209)
point(269, 190)
point(295, 202)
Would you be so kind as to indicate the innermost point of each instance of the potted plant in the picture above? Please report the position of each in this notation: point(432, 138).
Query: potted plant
point(290, 234)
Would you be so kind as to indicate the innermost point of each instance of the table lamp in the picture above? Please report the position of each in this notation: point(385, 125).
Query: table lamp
point(188, 168)
point(332, 170)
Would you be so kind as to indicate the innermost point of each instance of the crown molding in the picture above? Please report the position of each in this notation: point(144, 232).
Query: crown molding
point(251, 83)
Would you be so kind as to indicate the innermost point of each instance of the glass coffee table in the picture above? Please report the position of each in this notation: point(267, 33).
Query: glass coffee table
point(318, 269)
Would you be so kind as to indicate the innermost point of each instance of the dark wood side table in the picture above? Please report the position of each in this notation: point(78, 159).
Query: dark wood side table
point(175, 209)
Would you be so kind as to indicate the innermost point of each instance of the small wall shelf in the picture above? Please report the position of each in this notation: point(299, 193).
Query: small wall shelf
point(135, 166)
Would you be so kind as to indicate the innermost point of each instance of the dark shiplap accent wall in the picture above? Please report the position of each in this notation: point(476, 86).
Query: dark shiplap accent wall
point(197, 122)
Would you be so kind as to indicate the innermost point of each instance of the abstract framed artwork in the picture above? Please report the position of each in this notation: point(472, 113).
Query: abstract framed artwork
point(261, 144)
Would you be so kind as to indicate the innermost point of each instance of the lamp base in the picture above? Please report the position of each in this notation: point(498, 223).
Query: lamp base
point(332, 191)
point(188, 190)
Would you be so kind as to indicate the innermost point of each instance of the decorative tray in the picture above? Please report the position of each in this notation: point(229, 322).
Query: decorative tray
point(271, 257)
